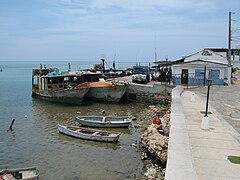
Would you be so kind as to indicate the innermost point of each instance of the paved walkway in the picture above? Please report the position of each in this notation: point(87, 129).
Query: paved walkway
point(203, 153)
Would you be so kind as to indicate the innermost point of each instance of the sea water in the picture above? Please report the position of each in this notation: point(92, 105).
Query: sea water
point(35, 140)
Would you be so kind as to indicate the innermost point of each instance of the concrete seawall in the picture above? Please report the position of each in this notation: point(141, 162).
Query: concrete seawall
point(153, 91)
point(179, 163)
point(149, 92)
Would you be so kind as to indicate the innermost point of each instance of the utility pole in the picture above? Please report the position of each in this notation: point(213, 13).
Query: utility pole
point(229, 38)
point(229, 47)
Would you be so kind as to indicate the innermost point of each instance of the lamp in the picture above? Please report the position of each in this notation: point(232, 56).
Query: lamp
point(209, 82)
point(205, 121)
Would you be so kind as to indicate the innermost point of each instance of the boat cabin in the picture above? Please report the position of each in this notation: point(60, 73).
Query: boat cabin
point(52, 80)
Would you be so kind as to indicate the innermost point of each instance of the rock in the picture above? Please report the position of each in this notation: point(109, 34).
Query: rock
point(160, 131)
point(152, 106)
point(134, 145)
point(144, 156)
point(137, 126)
point(151, 173)
point(155, 109)
point(155, 142)
point(134, 118)
point(102, 111)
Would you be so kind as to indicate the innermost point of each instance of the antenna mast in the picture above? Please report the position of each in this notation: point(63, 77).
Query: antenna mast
point(155, 54)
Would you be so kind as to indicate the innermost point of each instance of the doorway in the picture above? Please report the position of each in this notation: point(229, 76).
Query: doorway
point(184, 76)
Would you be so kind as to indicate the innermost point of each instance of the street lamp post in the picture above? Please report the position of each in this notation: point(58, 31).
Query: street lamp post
point(205, 121)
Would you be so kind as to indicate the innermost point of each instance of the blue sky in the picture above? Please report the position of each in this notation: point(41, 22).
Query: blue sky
point(130, 30)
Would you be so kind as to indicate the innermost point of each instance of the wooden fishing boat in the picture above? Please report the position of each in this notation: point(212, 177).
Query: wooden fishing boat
point(106, 91)
point(49, 84)
point(104, 121)
point(89, 134)
point(17, 174)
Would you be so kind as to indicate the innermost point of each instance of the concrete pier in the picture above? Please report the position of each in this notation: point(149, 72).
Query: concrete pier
point(152, 92)
point(194, 153)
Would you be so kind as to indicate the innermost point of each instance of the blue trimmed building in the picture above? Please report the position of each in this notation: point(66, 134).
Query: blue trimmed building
point(195, 69)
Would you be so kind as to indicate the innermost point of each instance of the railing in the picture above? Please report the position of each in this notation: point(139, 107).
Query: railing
point(192, 80)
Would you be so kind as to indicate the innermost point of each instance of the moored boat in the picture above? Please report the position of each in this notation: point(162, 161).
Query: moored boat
point(104, 121)
point(31, 173)
point(100, 90)
point(89, 134)
point(106, 91)
point(49, 84)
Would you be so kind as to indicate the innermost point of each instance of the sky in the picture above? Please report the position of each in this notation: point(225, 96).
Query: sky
point(121, 30)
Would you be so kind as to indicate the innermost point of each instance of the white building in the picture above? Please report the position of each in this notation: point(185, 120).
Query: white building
point(235, 54)
point(195, 69)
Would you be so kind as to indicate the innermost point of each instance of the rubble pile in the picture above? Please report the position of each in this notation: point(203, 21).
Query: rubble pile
point(155, 144)
point(165, 121)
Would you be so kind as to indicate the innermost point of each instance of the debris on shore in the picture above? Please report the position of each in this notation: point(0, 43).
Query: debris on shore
point(155, 145)
point(155, 142)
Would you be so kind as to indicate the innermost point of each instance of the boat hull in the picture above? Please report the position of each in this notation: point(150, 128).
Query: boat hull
point(104, 122)
point(110, 93)
point(23, 173)
point(69, 96)
point(95, 135)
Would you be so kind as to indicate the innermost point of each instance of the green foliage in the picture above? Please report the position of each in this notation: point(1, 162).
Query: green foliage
point(163, 104)
point(234, 159)
point(234, 69)
point(203, 112)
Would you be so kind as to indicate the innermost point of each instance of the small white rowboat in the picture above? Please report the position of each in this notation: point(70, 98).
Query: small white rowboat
point(89, 134)
point(104, 121)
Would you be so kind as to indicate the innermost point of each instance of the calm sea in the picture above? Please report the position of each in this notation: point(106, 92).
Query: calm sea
point(35, 140)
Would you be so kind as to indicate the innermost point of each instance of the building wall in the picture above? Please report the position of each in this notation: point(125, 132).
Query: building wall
point(192, 77)
point(191, 70)
point(201, 66)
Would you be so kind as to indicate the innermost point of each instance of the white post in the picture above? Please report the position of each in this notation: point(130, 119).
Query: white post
point(193, 97)
point(205, 123)
point(229, 75)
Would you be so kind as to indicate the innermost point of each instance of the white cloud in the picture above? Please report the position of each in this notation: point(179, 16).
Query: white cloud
point(126, 25)
point(125, 14)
